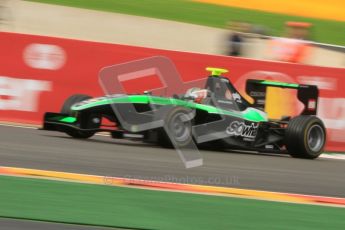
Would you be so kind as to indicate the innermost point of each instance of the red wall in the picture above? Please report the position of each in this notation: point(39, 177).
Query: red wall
point(61, 67)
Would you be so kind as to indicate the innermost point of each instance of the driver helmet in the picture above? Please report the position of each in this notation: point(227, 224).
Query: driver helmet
point(197, 94)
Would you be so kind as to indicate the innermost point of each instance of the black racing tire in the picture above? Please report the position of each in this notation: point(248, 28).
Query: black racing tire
point(69, 102)
point(66, 109)
point(305, 137)
point(178, 123)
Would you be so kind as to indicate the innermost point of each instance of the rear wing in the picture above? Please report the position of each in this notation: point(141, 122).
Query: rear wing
point(307, 94)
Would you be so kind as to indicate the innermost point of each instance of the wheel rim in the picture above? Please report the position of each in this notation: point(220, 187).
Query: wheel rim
point(316, 138)
point(179, 128)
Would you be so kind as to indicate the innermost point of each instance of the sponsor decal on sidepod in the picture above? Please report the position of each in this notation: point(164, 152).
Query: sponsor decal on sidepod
point(237, 128)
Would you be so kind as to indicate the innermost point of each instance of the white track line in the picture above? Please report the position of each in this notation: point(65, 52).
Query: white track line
point(19, 125)
point(24, 126)
point(337, 156)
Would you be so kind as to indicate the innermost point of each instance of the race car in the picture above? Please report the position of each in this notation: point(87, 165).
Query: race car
point(216, 115)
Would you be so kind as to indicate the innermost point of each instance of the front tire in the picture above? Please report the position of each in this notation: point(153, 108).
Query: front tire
point(305, 137)
point(177, 122)
point(66, 109)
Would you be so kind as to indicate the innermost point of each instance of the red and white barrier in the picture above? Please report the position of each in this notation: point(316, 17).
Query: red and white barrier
point(38, 73)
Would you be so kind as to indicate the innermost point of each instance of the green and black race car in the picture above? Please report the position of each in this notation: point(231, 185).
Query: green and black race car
point(216, 116)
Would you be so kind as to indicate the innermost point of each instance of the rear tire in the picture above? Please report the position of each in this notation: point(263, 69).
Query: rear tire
point(305, 137)
point(66, 109)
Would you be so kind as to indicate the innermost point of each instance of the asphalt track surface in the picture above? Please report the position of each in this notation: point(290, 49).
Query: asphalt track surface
point(31, 148)
point(15, 224)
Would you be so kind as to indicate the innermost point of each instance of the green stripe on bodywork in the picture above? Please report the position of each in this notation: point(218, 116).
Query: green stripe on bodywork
point(132, 208)
point(68, 119)
point(251, 115)
point(277, 83)
point(65, 119)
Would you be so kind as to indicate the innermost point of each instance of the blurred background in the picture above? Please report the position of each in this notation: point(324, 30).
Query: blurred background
point(52, 49)
point(309, 32)
point(58, 41)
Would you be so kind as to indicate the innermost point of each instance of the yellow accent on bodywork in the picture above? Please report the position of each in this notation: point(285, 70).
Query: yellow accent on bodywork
point(216, 71)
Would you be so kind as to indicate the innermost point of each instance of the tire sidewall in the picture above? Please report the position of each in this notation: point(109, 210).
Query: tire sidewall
point(296, 137)
point(315, 122)
point(168, 114)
